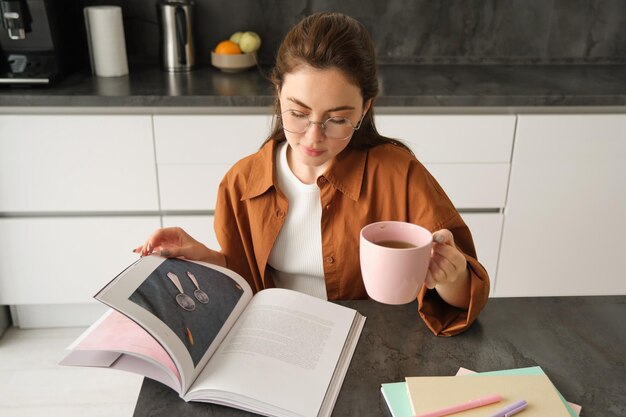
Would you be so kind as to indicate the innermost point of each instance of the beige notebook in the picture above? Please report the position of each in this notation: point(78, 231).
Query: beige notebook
point(434, 393)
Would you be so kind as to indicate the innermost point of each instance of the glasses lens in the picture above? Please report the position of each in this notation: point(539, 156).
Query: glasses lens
point(338, 128)
point(294, 122)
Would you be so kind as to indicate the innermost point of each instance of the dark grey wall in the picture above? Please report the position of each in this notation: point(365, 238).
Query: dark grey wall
point(413, 31)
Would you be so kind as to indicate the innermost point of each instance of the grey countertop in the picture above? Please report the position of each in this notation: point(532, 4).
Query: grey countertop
point(415, 86)
point(579, 342)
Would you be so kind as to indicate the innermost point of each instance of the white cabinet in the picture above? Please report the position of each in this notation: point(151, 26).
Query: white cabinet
point(76, 163)
point(194, 152)
point(66, 260)
point(486, 231)
point(565, 220)
point(470, 156)
point(77, 194)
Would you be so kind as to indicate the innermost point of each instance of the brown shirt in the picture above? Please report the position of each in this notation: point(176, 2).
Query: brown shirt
point(360, 187)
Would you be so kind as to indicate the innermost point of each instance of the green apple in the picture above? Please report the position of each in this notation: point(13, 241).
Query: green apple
point(236, 37)
point(249, 42)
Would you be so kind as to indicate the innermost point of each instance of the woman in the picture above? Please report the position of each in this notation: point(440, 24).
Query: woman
point(289, 215)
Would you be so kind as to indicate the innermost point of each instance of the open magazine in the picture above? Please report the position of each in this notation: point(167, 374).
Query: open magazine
point(198, 329)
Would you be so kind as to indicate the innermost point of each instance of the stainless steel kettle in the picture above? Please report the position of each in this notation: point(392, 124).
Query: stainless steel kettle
point(176, 36)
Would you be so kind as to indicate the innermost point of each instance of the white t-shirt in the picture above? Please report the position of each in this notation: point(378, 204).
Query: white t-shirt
point(296, 258)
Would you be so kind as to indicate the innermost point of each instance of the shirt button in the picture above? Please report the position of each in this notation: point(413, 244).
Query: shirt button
point(330, 259)
point(280, 213)
point(321, 180)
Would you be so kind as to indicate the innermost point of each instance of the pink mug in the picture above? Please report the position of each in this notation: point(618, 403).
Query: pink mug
point(394, 260)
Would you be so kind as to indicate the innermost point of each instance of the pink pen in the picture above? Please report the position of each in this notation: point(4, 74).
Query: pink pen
point(478, 402)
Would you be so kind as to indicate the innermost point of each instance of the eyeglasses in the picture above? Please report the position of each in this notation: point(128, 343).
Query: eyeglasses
point(340, 128)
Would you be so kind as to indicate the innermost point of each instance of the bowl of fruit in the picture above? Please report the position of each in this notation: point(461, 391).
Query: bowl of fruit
point(238, 53)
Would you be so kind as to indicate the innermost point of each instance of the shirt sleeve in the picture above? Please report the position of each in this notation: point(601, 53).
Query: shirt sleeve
point(434, 210)
point(442, 318)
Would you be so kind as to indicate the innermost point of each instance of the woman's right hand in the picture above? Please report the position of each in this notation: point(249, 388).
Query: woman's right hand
point(174, 242)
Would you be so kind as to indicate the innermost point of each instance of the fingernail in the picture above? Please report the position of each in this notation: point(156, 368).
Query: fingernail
point(439, 239)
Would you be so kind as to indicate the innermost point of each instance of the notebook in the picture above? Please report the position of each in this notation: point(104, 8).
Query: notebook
point(397, 399)
point(433, 393)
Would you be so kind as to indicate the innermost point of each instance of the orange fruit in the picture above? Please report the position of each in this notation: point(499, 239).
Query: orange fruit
point(227, 47)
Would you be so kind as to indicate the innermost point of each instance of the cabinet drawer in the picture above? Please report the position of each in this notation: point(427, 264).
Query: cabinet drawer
point(58, 163)
point(486, 230)
point(190, 187)
point(68, 259)
point(473, 185)
point(194, 153)
point(469, 155)
point(213, 139)
point(200, 227)
point(453, 138)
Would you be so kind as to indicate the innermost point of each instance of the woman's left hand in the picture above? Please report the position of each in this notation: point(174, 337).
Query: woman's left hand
point(447, 263)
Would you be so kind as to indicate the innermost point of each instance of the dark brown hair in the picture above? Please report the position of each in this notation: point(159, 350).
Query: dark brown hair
point(325, 41)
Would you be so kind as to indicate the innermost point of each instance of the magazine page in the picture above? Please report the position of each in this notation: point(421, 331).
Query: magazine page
point(187, 306)
point(116, 342)
point(282, 355)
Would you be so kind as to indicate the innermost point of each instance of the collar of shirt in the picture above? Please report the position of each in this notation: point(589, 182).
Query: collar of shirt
point(345, 173)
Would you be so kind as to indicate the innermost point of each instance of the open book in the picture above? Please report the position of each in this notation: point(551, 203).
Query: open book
point(198, 329)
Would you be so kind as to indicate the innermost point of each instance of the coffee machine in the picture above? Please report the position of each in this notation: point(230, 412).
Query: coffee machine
point(40, 40)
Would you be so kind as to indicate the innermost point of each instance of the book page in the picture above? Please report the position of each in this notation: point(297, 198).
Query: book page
point(187, 306)
point(281, 356)
point(115, 339)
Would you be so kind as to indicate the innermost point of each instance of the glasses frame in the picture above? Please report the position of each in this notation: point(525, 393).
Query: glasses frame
point(321, 124)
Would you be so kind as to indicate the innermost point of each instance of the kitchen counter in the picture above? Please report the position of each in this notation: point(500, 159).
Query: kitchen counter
point(402, 86)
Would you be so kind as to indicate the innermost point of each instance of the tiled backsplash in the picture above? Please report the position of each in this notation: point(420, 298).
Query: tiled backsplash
point(413, 31)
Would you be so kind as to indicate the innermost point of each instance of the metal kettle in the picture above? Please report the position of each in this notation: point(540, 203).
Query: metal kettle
point(176, 36)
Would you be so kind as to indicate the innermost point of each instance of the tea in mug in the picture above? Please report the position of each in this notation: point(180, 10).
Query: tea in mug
point(395, 244)
point(394, 258)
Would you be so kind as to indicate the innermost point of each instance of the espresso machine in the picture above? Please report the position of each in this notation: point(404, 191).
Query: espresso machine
point(40, 41)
